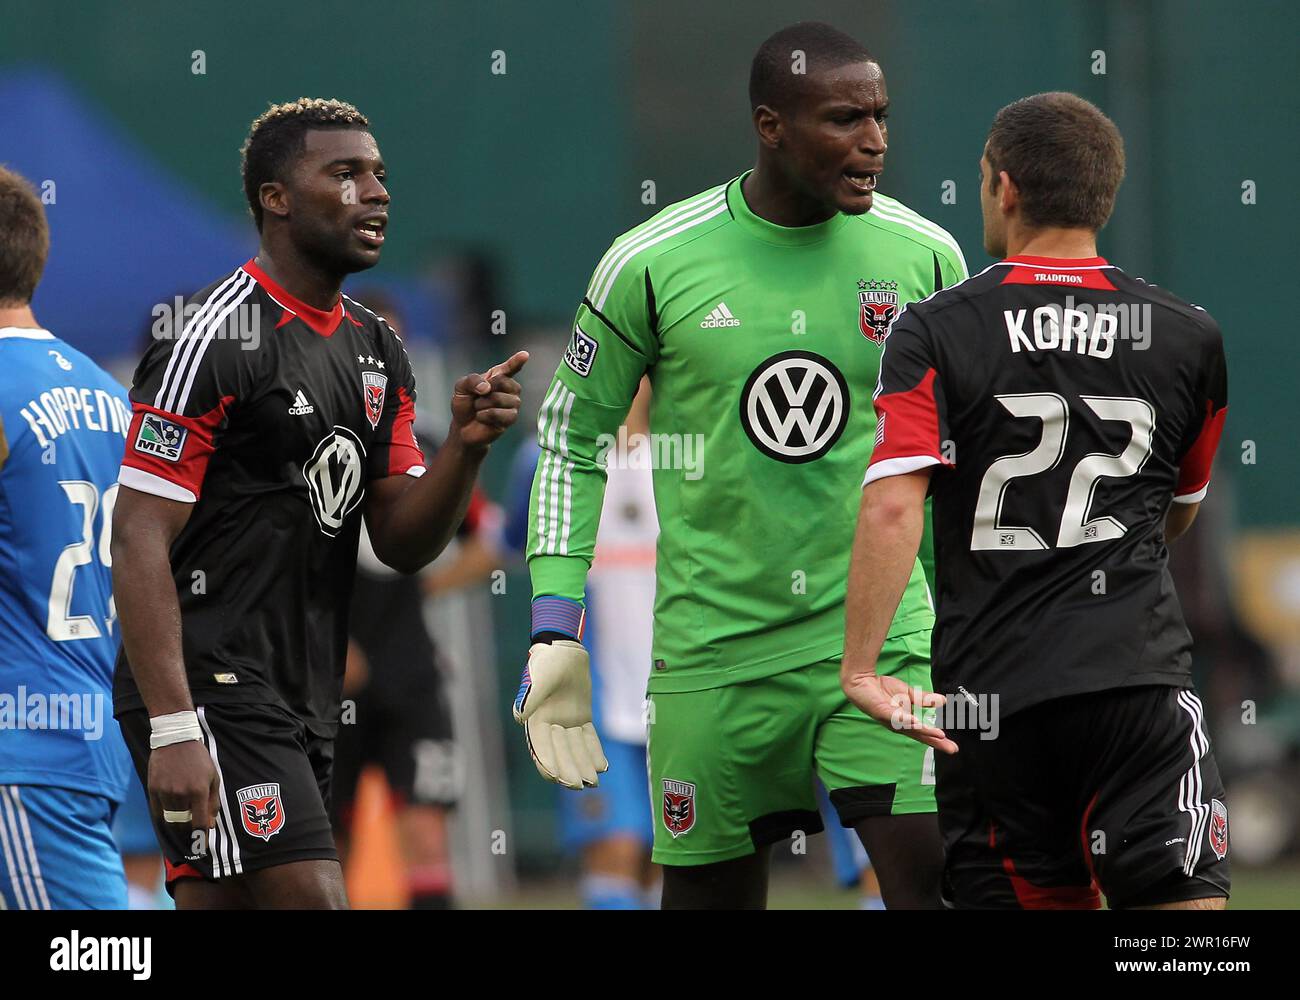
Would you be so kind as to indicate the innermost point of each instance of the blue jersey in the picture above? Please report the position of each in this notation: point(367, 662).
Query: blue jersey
point(63, 424)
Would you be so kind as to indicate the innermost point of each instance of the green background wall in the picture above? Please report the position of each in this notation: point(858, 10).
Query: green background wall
point(543, 166)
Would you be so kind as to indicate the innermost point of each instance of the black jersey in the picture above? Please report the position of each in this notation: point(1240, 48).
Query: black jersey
point(270, 416)
point(1065, 405)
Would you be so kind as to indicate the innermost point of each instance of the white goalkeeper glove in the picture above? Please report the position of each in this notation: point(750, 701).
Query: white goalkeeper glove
point(554, 707)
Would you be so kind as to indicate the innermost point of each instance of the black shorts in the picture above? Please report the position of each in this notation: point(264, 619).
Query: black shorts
point(1115, 791)
point(275, 778)
point(405, 730)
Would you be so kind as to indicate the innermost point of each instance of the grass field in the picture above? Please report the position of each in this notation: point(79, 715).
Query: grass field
point(803, 883)
point(1276, 888)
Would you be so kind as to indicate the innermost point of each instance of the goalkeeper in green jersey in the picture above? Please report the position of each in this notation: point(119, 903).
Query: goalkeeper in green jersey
point(759, 309)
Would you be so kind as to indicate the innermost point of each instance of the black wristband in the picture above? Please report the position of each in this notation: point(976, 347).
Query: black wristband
point(550, 637)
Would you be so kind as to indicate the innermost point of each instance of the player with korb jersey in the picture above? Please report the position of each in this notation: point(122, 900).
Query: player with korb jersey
point(1064, 416)
point(758, 309)
point(272, 415)
point(63, 768)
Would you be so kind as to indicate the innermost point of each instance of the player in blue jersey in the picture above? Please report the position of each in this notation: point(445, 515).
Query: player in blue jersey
point(63, 765)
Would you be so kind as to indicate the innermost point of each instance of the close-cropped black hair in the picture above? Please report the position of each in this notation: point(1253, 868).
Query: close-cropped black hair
point(278, 136)
point(772, 77)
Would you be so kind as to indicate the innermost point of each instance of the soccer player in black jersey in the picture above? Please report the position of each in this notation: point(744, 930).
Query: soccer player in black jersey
point(275, 416)
point(1064, 415)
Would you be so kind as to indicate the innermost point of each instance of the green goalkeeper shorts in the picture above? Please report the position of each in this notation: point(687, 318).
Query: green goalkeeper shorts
point(732, 768)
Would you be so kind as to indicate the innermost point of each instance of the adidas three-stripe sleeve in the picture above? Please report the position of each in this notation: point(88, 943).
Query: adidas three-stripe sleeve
point(184, 389)
point(611, 345)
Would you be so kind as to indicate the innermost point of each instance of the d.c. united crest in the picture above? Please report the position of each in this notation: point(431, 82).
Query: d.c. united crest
point(1218, 832)
point(261, 809)
point(372, 386)
point(679, 806)
point(878, 308)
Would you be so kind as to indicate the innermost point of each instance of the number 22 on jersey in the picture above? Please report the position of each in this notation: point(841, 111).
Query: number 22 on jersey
point(1076, 528)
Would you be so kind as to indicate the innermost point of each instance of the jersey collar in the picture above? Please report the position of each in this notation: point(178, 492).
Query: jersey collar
point(1059, 263)
point(770, 232)
point(25, 333)
point(321, 321)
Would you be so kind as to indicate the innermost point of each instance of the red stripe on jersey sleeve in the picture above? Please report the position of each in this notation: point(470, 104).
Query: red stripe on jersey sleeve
point(908, 424)
point(196, 448)
point(1194, 472)
point(403, 452)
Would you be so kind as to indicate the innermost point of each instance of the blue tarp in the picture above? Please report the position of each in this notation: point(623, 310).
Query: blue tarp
point(124, 235)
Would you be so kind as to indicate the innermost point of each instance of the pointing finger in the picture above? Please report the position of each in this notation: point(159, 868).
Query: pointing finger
point(508, 367)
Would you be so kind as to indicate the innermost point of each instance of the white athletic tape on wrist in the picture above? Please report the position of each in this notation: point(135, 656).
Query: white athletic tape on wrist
point(175, 728)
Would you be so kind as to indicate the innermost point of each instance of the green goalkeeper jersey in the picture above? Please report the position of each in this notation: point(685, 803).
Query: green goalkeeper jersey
point(763, 347)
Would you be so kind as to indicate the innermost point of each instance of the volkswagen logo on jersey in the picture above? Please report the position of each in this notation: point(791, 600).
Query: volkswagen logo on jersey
point(261, 809)
point(372, 387)
point(679, 807)
point(335, 474)
point(878, 308)
point(795, 406)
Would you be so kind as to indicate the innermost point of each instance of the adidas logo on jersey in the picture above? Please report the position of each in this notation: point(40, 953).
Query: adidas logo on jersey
point(721, 316)
point(300, 405)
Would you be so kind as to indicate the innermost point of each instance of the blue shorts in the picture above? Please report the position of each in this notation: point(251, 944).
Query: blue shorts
point(618, 806)
point(133, 826)
point(57, 850)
